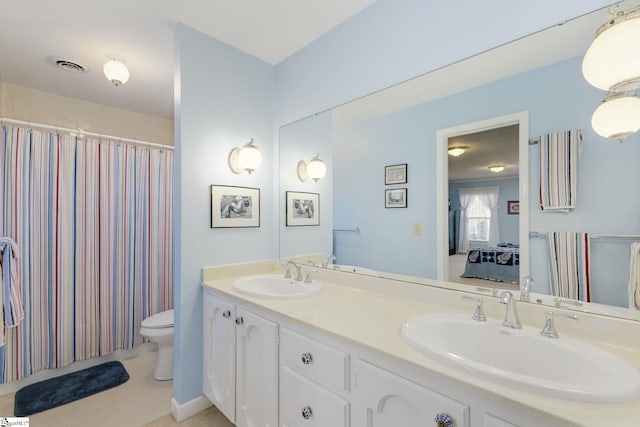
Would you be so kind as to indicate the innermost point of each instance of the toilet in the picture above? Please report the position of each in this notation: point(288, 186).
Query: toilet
point(159, 329)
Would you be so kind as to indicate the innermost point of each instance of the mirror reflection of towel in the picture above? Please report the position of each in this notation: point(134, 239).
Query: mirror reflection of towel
point(634, 276)
point(569, 264)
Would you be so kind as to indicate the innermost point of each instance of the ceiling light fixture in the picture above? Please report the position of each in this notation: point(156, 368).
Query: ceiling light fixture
point(116, 72)
point(457, 150)
point(496, 168)
point(612, 62)
point(617, 117)
point(248, 158)
point(315, 169)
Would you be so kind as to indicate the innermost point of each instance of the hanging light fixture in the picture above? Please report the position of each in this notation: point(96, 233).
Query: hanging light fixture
point(457, 150)
point(248, 158)
point(612, 62)
point(116, 72)
point(496, 168)
point(617, 117)
point(315, 169)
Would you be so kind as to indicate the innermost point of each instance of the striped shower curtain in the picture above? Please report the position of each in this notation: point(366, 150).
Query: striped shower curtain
point(93, 223)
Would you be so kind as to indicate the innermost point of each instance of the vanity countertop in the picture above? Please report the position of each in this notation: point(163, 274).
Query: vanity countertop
point(370, 312)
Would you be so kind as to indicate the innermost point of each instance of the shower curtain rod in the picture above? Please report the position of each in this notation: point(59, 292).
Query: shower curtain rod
point(82, 132)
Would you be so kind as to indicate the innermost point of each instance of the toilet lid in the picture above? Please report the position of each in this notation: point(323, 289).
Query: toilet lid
point(163, 319)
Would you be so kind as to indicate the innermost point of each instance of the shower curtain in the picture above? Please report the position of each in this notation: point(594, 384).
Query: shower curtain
point(93, 223)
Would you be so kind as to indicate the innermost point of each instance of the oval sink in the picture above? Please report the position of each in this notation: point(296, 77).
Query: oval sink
point(562, 368)
point(275, 286)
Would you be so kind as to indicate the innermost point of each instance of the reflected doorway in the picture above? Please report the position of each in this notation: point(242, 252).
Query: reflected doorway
point(476, 220)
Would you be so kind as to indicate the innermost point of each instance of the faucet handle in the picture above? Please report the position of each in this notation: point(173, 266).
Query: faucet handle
point(479, 313)
point(549, 329)
point(307, 278)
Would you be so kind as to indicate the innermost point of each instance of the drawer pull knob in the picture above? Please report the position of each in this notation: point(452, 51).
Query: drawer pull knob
point(226, 314)
point(306, 412)
point(306, 358)
point(239, 320)
point(443, 420)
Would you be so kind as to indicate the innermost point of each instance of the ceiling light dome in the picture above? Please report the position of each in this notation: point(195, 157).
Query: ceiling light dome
point(612, 62)
point(457, 150)
point(496, 168)
point(617, 117)
point(116, 72)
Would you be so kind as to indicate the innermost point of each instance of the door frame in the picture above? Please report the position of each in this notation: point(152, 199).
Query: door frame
point(442, 185)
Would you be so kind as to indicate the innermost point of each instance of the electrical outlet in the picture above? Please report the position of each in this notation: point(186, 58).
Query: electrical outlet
point(417, 228)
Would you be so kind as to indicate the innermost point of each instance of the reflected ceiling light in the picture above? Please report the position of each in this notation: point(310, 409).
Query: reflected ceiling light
point(248, 158)
point(457, 150)
point(116, 72)
point(612, 62)
point(496, 168)
point(617, 117)
point(315, 169)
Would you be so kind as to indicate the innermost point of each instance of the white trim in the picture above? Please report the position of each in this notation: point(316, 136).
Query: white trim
point(85, 133)
point(442, 192)
point(189, 409)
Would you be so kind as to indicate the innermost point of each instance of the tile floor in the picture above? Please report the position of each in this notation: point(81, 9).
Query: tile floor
point(141, 401)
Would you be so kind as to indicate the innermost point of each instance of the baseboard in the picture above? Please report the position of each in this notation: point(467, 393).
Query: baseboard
point(188, 409)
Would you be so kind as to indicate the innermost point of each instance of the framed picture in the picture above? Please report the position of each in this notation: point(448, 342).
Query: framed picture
point(395, 174)
point(513, 207)
point(395, 198)
point(233, 207)
point(302, 209)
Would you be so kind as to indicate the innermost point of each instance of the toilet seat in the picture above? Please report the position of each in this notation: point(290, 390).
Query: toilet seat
point(160, 320)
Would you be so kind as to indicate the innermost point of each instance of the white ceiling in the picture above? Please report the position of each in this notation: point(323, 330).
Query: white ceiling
point(141, 32)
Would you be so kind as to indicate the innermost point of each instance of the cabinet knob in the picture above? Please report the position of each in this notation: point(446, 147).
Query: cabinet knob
point(443, 420)
point(226, 314)
point(239, 320)
point(306, 358)
point(306, 412)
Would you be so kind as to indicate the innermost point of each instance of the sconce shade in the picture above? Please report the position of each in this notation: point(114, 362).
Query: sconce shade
point(248, 158)
point(457, 151)
point(496, 168)
point(612, 62)
point(617, 117)
point(316, 168)
point(116, 72)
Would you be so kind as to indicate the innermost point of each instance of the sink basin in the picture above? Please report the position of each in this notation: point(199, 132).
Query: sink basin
point(562, 368)
point(275, 286)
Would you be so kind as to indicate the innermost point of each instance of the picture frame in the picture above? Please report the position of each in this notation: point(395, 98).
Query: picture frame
point(395, 198)
point(395, 174)
point(513, 207)
point(303, 209)
point(235, 207)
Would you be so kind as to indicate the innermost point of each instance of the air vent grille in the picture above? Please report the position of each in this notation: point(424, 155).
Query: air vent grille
point(72, 67)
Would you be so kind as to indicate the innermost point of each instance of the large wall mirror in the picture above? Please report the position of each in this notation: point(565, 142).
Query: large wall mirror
point(497, 104)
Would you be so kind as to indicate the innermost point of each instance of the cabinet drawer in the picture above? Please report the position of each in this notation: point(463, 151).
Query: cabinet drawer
point(320, 362)
point(306, 404)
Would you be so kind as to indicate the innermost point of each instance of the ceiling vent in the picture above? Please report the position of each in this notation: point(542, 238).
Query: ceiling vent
point(67, 65)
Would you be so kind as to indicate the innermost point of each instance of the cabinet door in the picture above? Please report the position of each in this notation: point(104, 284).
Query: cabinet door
point(383, 399)
point(256, 371)
point(219, 354)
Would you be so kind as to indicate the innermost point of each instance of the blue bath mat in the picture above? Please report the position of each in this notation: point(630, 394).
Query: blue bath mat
point(57, 391)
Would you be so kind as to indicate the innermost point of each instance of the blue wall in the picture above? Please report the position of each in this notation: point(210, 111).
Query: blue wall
point(557, 98)
point(223, 98)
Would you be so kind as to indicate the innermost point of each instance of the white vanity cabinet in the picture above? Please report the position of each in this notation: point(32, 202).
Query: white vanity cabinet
point(240, 362)
point(384, 399)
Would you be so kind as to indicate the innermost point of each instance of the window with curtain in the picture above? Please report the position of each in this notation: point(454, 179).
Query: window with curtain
point(478, 216)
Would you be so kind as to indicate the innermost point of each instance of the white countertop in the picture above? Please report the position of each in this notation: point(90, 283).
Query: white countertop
point(371, 311)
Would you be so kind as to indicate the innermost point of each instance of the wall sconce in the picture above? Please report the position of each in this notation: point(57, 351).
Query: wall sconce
point(612, 62)
point(315, 169)
point(248, 158)
point(116, 72)
point(496, 168)
point(617, 117)
point(457, 150)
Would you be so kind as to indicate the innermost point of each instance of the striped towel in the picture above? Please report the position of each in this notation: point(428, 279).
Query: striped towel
point(11, 295)
point(559, 164)
point(569, 265)
point(634, 276)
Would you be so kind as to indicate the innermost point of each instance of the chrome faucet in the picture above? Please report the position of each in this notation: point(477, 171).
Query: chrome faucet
point(327, 260)
point(479, 313)
point(525, 288)
point(511, 318)
point(549, 330)
point(287, 273)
